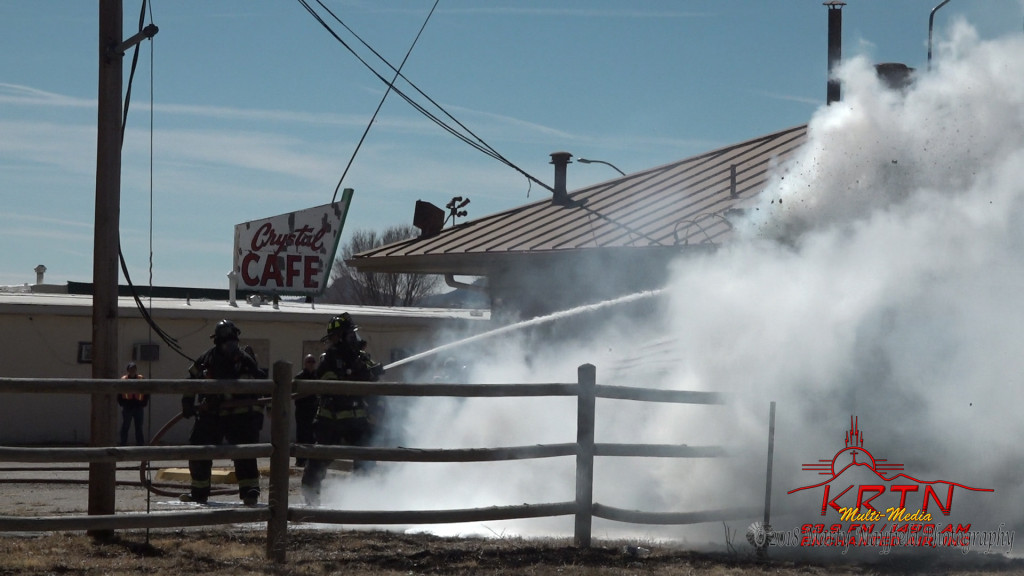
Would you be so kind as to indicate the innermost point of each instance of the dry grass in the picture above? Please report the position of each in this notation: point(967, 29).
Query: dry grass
point(362, 553)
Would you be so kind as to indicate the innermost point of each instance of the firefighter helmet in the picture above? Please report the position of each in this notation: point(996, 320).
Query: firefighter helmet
point(341, 324)
point(224, 331)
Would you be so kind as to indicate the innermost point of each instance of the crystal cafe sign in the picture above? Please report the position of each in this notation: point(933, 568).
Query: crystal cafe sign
point(290, 253)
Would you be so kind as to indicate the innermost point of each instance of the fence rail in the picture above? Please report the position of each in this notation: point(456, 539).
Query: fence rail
point(134, 454)
point(279, 513)
point(135, 521)
point(431, 516)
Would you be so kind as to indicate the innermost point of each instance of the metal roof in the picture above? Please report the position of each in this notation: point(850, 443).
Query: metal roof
point(684, 203)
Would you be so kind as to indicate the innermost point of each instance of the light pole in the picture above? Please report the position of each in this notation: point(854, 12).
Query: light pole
point(586, 161)
point(931, 21)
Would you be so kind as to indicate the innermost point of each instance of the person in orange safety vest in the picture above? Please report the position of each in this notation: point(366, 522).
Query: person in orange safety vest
point(133, 406)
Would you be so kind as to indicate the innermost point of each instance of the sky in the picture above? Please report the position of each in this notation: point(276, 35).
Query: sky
point(245, 110)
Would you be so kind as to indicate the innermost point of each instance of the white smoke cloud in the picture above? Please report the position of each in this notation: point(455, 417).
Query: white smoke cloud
point(881, 276)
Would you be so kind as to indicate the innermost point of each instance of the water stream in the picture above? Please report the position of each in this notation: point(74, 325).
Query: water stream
point(526, 323)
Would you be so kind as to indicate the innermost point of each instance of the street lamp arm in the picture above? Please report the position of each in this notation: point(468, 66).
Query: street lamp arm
point(931, 21)
point(587, 161)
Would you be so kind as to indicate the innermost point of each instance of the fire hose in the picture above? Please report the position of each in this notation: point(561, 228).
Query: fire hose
point(144, 465)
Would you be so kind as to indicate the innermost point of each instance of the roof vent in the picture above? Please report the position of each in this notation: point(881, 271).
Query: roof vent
point(835, 47)
point(895, 75)
point(561, 160)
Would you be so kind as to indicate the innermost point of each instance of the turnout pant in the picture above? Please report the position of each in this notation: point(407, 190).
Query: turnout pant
point(305, 416)
point(241, 428)
point(341, 432)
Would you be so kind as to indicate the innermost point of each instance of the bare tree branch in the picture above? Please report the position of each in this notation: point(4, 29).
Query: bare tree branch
point(350, 286)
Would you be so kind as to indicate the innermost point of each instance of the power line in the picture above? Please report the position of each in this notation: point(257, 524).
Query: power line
point(391, 85)
point(469, 137)
point(167, 338)
point(381, 103)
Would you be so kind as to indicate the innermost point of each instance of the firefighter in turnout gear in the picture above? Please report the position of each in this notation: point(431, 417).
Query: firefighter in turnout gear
point(236, 418)
point(340, 420)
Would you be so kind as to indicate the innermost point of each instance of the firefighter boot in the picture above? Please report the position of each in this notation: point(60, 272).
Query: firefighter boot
point(189, 497)
point(251, 497)
point(311, 495)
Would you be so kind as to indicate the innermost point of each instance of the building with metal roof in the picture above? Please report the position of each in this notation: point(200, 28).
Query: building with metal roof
point(599, 241)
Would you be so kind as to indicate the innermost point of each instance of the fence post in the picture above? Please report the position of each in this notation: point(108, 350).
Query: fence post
point(585, 409)
point(280, 439)
point(762, 550)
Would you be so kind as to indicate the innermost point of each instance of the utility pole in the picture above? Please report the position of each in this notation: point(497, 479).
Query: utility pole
point(106, 239)
point(106, 245)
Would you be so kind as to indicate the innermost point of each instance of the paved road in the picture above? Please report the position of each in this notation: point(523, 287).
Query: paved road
point(62, 489)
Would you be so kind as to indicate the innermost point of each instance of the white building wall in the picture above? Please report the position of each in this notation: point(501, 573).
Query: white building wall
point(40, 336)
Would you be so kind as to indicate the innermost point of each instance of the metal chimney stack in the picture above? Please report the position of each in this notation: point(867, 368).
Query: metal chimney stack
point(40, 270)
point(561, 162)
point(835, 47)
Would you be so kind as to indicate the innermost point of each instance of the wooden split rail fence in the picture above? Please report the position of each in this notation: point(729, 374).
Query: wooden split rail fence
point(280, 449)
